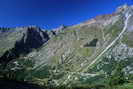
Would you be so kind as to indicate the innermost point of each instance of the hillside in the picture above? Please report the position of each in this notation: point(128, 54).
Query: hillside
point(86, 53)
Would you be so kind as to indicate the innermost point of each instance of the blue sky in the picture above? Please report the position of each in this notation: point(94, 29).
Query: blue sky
point(53, 13)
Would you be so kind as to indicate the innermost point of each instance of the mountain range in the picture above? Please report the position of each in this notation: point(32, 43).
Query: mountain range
point(88, 53)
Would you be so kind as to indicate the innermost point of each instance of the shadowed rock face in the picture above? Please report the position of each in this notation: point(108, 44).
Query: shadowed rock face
point(93, 43)
point(32, 38)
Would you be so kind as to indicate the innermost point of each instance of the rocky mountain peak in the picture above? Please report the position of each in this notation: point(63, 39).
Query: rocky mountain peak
point(23, 40)
point(122, 8)
point(59, 29)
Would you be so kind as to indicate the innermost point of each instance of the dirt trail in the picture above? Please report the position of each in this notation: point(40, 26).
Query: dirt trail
point(112, 43)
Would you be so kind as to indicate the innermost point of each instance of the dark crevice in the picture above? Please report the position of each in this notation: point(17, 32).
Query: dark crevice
point(93, 43)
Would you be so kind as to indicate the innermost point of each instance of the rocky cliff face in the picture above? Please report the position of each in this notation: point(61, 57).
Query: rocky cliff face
point(69, 55)
point(20, 41)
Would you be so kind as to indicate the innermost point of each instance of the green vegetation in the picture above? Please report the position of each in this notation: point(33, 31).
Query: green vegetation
point(117, 76)
point(127, 39)
point(125, 86)
point(4, 29)
point(17, 70)
point(86, 52)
